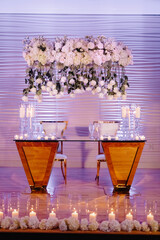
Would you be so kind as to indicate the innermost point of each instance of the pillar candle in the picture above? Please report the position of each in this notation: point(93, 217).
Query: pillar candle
point(1, 215)
point(150, 217)
point(111, 216)
point(75, 214)
point(15, 214)
point(92, 217)
point(138, 112)
point(32, 214)
point(22, 111)
point(52, 214)
point(129, 216)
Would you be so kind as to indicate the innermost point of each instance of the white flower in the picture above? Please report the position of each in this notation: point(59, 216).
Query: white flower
point(49, 84)
point(84, 224)
point(55, 92)
point(85, 81)
point(93, 83)
point(88, 89)
point(48, 89)
point(63, 225)
point(101, 83)
point(127, 225)
point(39, 80)
point(72, 81)
point(118, 94)
point(6, 222)
point(81, 79)
point(42, 224)
point(104, 226)
point(98, 60)
point(73, 223)
point(33, 90)
point(25, 98)
point(78, 44)
point(112, 82)
point(101, 95)
point(100, 45)
point(72, 95)
point(109, 86)
point(91, 45)
point(63, 79)
point(98, 89)
point(24, 222)
point(58, 45)
point(137, 225)
point(43, 88)
point(145, 227)
point(116, 89)
point(52, 223)
point(33, 222)
point(124, 96)
point(53, 86)
point(154, 226)
point(93, 226)
point(110, 97)
point(114, 226)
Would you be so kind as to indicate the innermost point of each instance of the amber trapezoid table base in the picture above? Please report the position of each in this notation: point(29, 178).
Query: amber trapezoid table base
point(37, 159)
point(122, 160)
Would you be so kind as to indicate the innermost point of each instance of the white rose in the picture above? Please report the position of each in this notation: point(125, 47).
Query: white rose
point(25, 99)
point(100, 45)
point(58, 45)
point(53, 86)
point(63, 79)
point(55, 92)
point(101, 83)
point(93, 83)
point(80, 79)
point(85, 81)
point(98, 89)
point(43, 88)
point(49, 84)
point(110, 97)
point(78, 45)
point(109, 86)
point(101, 95)
point(116, 89)
point(88, 89)
point(112, 82)
point(91, 45)
point(98, 60)
point(118, 94)
point(48, 89)
point(72, 81)
point(33, 90)
point(38, 80)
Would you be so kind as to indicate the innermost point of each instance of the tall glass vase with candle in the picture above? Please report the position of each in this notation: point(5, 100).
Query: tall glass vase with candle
point(22, 120)
point(30, 114)
point(137, 115)
point(126, 122)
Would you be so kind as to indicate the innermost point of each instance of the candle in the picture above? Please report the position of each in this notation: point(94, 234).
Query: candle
point(1, 215)
point(150, 217)
point(116, 138)
point(46, 137)
point(111, 216)
point(138, 112)
point(52, 214)
point(129, 122)
point(32, 112)
point(75, 214)
point(32, 214)
point(109, 138)
point(53, 137)
point(22, 111)
point(28, 111)
point(129, 216)
point(15, 214)
point(142, 137)
point(21, 137)
point(16, 137)
point(26, 135)
point(124, 112)
point(38, 137)
point(137, 137)
point(92, 217)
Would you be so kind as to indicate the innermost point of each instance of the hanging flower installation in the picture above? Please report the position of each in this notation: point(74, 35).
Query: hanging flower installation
point(75, 65)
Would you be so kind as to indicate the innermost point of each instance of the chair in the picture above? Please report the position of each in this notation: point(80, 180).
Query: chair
point(58, 128)
point(63, 159)
point(100, 158)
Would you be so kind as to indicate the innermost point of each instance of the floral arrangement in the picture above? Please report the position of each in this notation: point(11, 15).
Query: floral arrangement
point(74, 224)
point(75, 65)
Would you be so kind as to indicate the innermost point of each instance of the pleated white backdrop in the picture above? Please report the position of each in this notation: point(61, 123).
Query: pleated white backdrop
point(140, 32)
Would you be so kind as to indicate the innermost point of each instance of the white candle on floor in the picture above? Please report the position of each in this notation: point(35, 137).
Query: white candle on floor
point(1, 215)
point(75, 214)
point(129, 216)
point(150, 217)
point(52, 214)
point(111, 216)
point(32, 214)
point(92, 217)
point(15, 214)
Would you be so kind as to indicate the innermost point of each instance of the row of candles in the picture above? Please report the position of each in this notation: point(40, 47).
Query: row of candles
point(28, 111)
point(92, 215)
